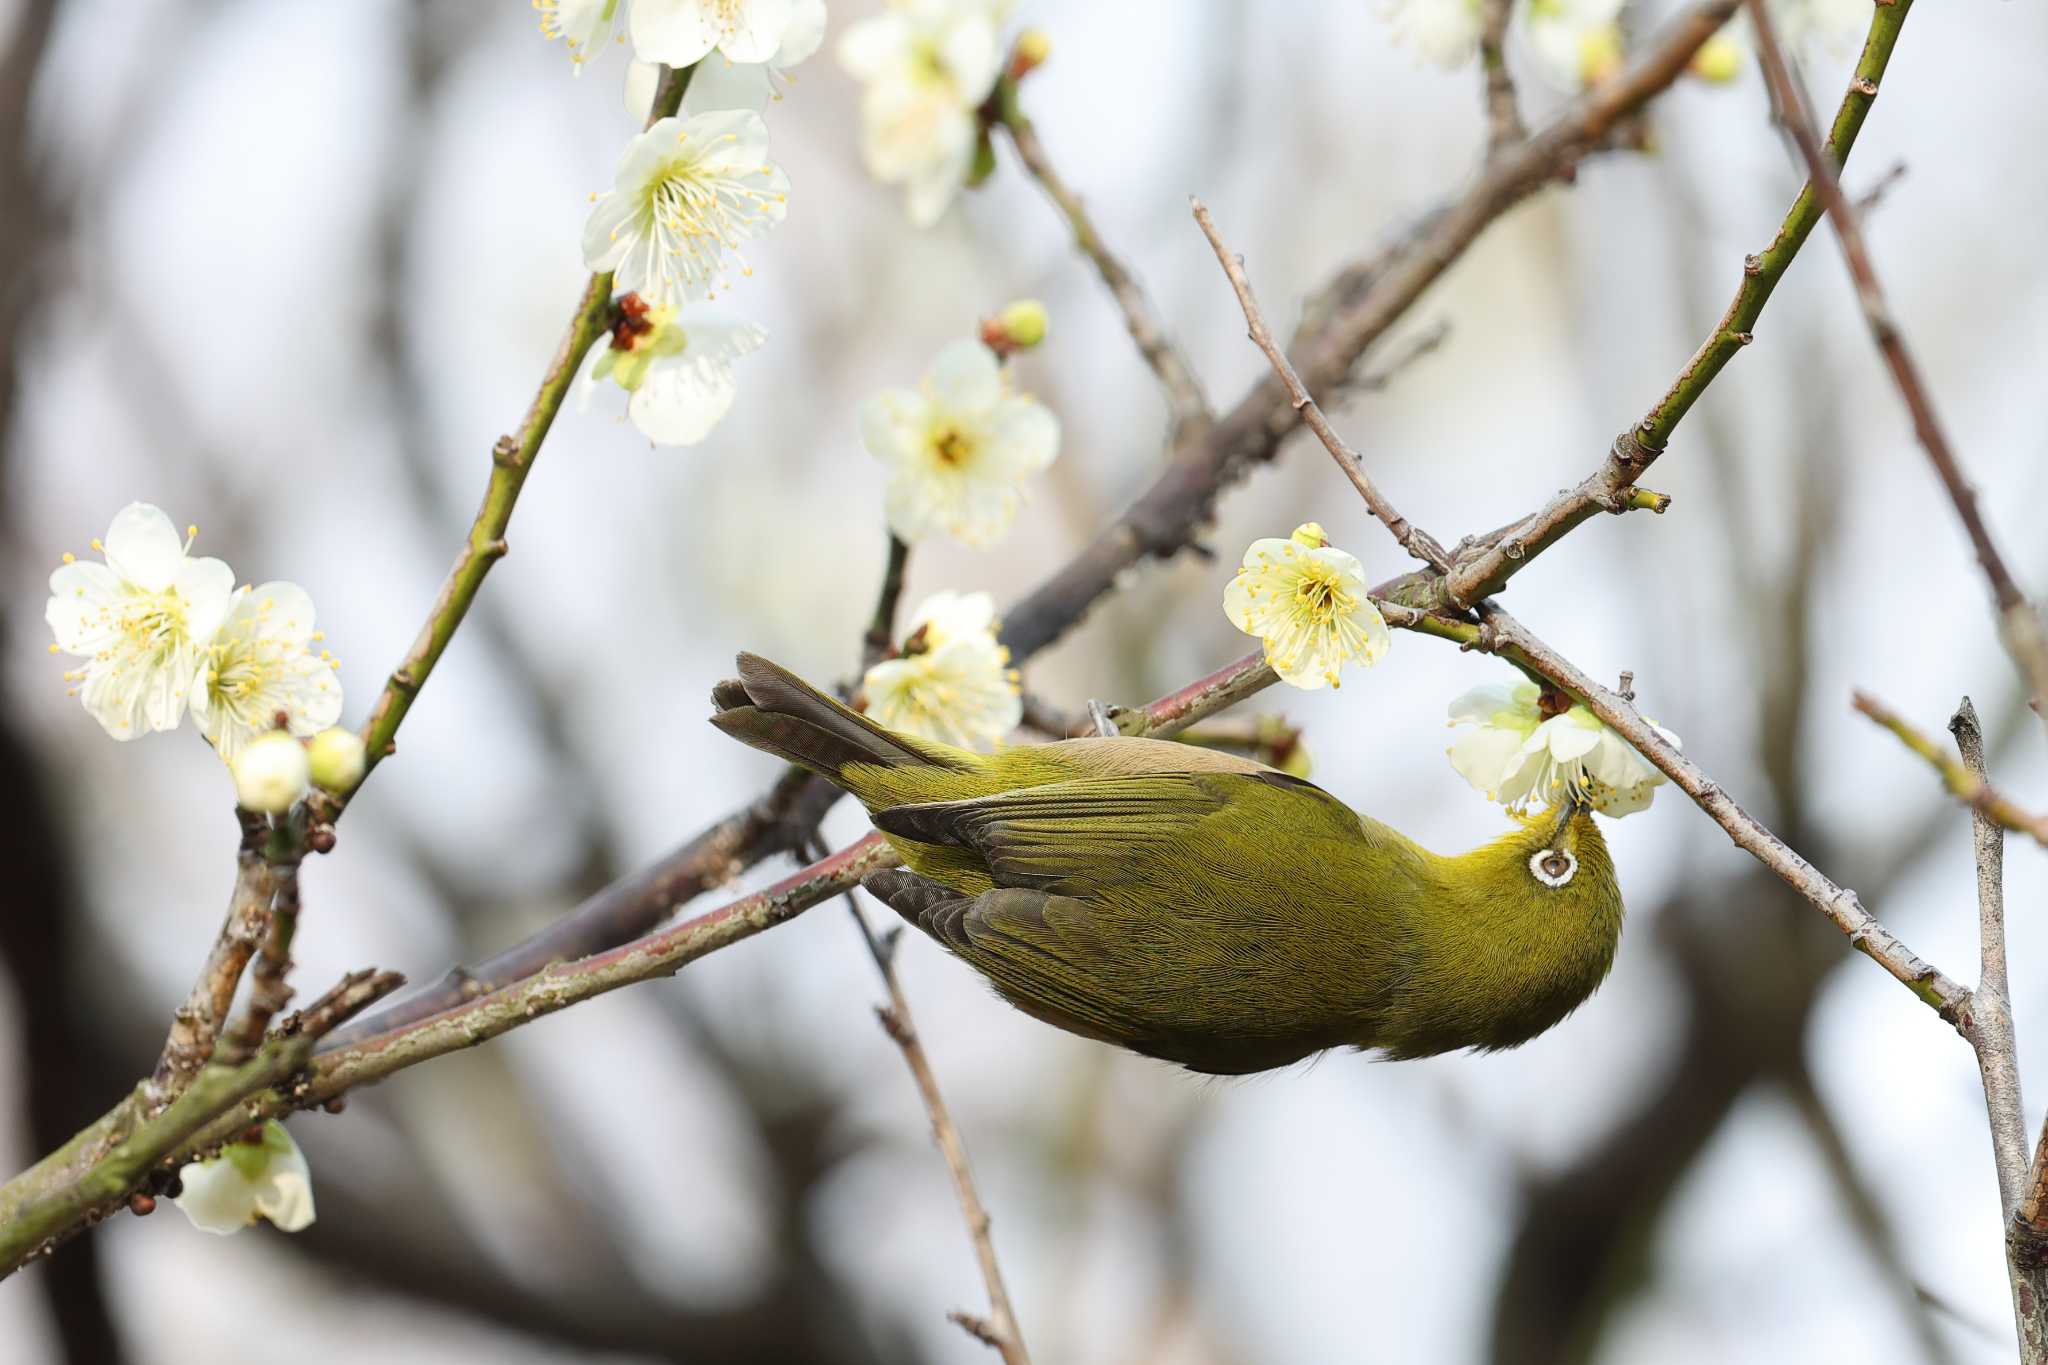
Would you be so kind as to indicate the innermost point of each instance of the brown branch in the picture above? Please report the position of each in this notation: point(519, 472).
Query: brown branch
point(196, 1025)
point(1964, 783)
point(2019, 624)
point(1412, 538)
point(999, 1330)
point(1841, 906)
point(1484, 565)
point(881, 636)
point(269, 991)
point(1187, 405)
point(1503, 116)
point(1988, 1023)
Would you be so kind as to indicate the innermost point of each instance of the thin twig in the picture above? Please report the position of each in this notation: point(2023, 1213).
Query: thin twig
point(196, 1025)
point(1187, 405)
point(881, 635)
point(1484, 566)
point(1988, 1023)
point(1503, 115)
point(1412, 538)
point(2019, 624)
point(999, 1329)
point(64, 1193)
point(269, 989)
point(512, 460)
point(1964, 783)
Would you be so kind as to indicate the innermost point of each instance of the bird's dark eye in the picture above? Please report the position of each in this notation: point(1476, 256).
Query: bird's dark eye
point(1553, 866)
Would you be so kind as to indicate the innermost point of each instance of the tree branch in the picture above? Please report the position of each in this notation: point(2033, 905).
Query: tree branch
point(1964, 782)
point(1503, 116)
point(2019, 624)
point(1187, 405)
point(1412, 538)
point(1483, 567)
point(196, 1025)
point(1000, 1329)
point(511, 461)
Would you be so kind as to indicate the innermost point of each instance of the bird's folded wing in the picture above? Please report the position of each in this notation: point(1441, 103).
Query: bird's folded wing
point(1077, 838)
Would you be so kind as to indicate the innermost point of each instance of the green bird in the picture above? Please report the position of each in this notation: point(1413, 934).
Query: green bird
point(1202, 908)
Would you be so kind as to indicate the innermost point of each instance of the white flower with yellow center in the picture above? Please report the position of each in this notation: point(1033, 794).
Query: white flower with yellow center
point(688, 190)
point(678, 370)
point(262, 666)
point(682, 32)
point(1306, 602)
point(140, 621)
point(1577, 43)
point(926, 67)
point(728, 84)
point(265, 1177)
point(1520, 751)
point(1442, 32)
point(954, 683)
point(958, 447)
point(582, 25)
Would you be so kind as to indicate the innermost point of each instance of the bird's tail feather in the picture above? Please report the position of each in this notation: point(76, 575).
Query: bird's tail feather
point(775, 711)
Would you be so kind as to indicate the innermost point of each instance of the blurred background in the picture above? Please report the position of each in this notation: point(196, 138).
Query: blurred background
point(288, 269)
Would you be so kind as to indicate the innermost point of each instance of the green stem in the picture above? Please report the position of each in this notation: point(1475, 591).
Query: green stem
point(511, 461)
point(1761, 273)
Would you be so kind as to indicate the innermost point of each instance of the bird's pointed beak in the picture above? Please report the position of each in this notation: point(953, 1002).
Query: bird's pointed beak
point(1573, 804)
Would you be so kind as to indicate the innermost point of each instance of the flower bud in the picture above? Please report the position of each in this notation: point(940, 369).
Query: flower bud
point(1024, 323)
point(1600, 54)
point(1033, 46)
point(1310, 535)
point(270, 773)
point(1719, 60)
point(335, 760)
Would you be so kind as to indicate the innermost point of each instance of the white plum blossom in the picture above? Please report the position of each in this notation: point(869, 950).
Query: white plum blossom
point(953, 683)
point(271, 772)
point(140, 621)
point(926, 66)
point(1306, 602)
point(726, 84)
point(688, 190)
point(582, 25)
point(1577, 43)
point(261, 665)
point(682, 32)
point(263, 1178)
point(1517, 751)
point(1442, 32)
point(958, 447)
point(676, 369)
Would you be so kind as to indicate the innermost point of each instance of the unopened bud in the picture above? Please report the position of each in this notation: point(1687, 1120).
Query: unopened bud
point(1021, 325)
point(1310, 535)
point(1033, 46)
point(1600, 53)
point(270, 773)
point(334, 760)
point(1719, 60)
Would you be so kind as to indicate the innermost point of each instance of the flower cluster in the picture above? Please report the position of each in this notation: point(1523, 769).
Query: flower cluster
point(925, 67)
point(688, 193)
point(1578, 43)
point(161, 632)
point(1520, 750)
point(959, 447)
point(953, 682)
point(1306, 602)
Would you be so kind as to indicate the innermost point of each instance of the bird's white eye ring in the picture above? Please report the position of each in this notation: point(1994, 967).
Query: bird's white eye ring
point(1553, 866)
